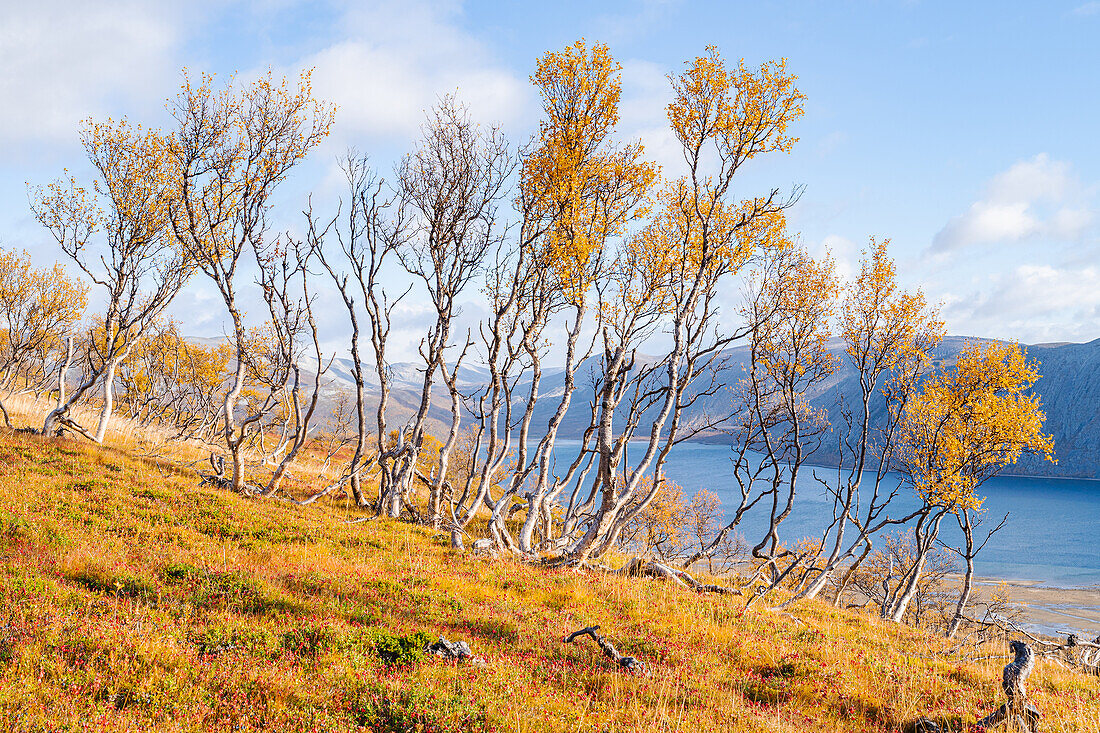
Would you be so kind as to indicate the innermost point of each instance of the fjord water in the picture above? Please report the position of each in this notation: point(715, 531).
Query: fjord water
point(1052, 535)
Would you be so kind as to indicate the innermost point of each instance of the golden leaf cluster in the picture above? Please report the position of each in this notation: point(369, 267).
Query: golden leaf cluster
point(585, 187)
point(884, 327)
point(970, 420)
point(39, 307)
point(165, 357)
point(746, 113)
point(793, 340)
point(130, 199)
point(232, 147)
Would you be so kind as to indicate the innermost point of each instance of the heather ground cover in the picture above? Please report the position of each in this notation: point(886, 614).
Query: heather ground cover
point(132, 599)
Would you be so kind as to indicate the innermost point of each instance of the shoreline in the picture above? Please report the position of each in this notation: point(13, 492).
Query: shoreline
point(1050, 610)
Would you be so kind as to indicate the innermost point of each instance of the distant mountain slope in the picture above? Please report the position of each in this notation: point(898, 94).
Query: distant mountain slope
point(1069, 390)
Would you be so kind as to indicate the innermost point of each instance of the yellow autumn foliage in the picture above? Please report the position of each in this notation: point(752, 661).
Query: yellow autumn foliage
point(585, 187)
point(39, 308)
point(971, 420)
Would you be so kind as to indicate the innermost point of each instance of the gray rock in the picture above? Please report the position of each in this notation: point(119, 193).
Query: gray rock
point(458, 651)
point(484, 548)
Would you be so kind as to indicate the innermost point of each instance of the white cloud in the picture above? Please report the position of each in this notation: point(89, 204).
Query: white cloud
point(1071, 222)
point(645, 93)
point(1032, 303)
point(987, 221)
point(1034, 198)
point(844, 252)
point(1037, 179)
point(1089, 8)
point(394, 60)
point(63, 61)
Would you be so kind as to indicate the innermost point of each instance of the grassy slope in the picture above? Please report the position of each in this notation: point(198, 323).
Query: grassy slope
point(130, 599)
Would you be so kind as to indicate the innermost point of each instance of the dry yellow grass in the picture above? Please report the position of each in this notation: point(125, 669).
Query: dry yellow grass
point(131, 599)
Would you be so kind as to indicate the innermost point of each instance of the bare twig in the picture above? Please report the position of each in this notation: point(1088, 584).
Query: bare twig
point(630, 664)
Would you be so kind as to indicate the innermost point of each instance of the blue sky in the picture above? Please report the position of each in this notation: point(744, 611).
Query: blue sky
point(966, 132)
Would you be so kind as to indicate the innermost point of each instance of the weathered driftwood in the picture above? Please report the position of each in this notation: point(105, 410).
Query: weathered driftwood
point(217, 477)
point(219, 480)
point(1084, 656)
point(484, 547)
point(1013, 682)
point(629, 664)
point(653, 569)
point(926, 725)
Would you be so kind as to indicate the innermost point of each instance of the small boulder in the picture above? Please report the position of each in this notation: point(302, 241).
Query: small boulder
point(484, 548)
point(458, 651)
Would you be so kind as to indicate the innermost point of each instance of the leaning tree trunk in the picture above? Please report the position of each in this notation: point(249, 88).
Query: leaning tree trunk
point(536, 505)
point(64, 400)
point(964, 598)
point(229, 407)
point(912, 581)
point(108, 400)
point(968, 577)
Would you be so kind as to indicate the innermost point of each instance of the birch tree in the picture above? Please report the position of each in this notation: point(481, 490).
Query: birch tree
point(670, 276)
point(118, 234)
point(971, 522)
point(970, 421)
point(578, 191)
point(232, 150)
point(888, 336)
point(39, 307)
point(777, 431)
point(173, 384)
point(452, 186)
point(369, 231)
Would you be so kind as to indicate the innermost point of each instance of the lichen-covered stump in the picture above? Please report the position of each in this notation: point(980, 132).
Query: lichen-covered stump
point(1013, 682)
point(628, 664)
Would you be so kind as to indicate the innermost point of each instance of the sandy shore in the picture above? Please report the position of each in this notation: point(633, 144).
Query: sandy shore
point(1049, 610)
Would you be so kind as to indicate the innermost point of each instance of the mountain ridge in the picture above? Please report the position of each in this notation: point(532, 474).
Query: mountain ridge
point(1068, 388)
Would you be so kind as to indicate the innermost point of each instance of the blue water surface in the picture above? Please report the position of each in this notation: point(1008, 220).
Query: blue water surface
point(1051, 535)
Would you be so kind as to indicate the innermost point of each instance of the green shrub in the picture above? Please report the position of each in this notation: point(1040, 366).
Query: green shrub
point(14, 527)
point(88, 485)
point(311, 641)
point(497, 629)
point(9, 637)
point(177, 572)
point(358, 616)
point(125, 697)
point(153, 494)
point(399, 650)
point(209, 589)
point(218, 640)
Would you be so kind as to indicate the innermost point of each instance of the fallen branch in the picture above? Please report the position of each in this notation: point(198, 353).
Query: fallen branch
point(630, 664)
point(360, 520)
point(791, 616)
point(1083, 656)
point(637, 567)
point(64, 422)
